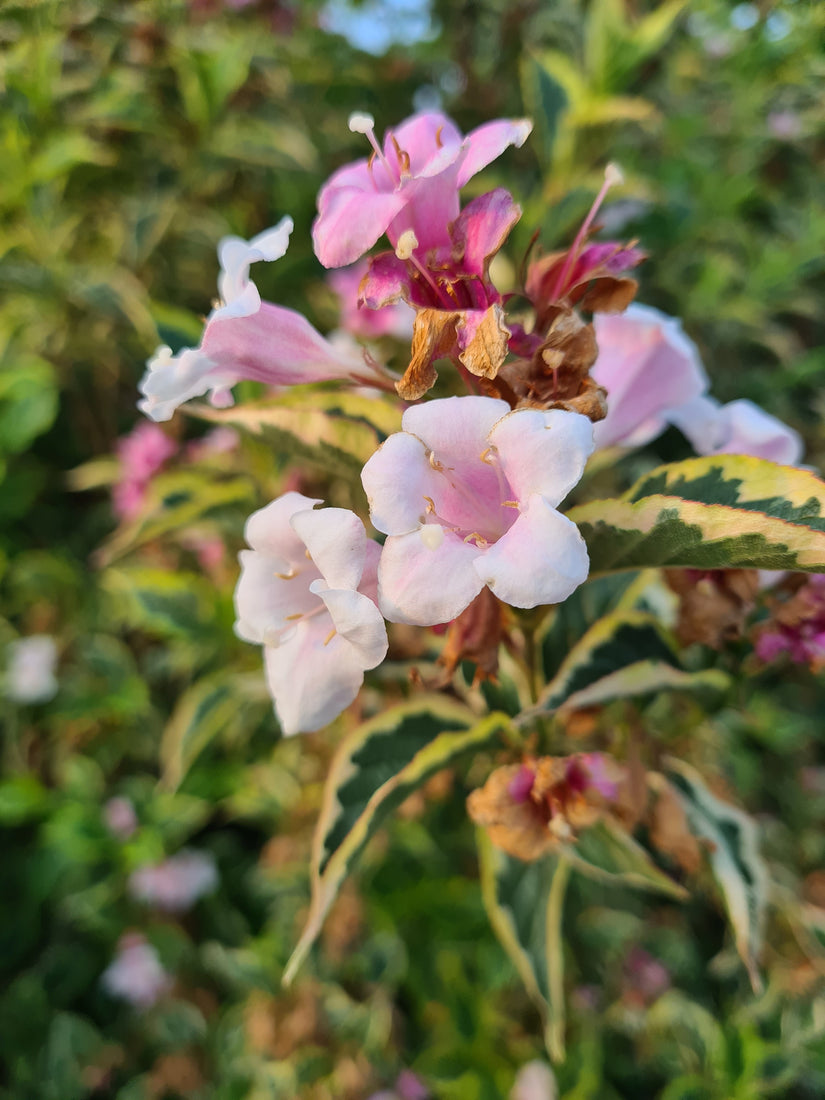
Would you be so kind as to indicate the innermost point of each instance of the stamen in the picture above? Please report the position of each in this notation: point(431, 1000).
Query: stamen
point(407, 244)
point(308, 555)
point(480, 540)
point(297, 615)
point(287, 576)
point(432, 535)
point(510, 504)
point(362, 123)
point(430, 506)
point(436, 465)
point(612, 174)
point(330, 636)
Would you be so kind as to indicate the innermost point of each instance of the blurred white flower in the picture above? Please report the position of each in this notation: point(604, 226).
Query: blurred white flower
point(535, 1081)
point(30, 674)
point(136, 974)
point(177, 883)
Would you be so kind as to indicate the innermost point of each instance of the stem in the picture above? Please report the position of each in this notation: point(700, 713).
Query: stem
point(554, 1033)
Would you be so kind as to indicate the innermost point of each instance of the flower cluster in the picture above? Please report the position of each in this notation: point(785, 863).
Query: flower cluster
point(468, 492)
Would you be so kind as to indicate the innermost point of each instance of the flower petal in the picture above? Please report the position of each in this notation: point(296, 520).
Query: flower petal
point(455, 428)
point(543, 451)
point(269, 529)
point(752, 431)
point(397, 480)
point(358, 621)
point(487, 142)
point(235, 255)
point(350, 222)
point(542, 559)
point(431, 141)
point(335, 540)
point(482, 228)
point(312, 680)
point(267, 604)
point(426, 577)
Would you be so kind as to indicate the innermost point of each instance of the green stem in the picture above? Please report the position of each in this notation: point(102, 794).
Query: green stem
point(554, 1032)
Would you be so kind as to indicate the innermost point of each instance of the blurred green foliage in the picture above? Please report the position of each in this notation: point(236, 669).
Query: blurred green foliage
point(133, 136)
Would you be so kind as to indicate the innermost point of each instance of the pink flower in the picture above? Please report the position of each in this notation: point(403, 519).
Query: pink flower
point(467, 493)
point(410, 184)
point(30, 675)
point(646, 978)
point(798, 628)
point(176, 883)
point(739, 428)
point(120, 817)
point(367, 324)
point(647, 365)
point(136, 974)
point(142, 453)
point(245, 338)
point(304, 594)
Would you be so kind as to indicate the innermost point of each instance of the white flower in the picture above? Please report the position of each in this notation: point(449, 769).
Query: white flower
point(136, 974)
point(176, 883)
point(302, 596)
point(30, 674)
point(740, 428)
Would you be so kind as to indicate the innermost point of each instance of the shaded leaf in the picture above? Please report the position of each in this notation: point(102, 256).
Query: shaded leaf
point(376, 767)
point(608, 853)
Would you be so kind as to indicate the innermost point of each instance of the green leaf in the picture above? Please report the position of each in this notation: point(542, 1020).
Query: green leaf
point(625, 653)
point(376, 767)
point(28, 402)
point(544, 101)
point(336, 431)
point(608, 853)
point(724, 512)
point(524, 902)
point(732, 843)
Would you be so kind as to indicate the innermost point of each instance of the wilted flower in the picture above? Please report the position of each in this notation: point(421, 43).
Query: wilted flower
point(301, 595)
point(136, 974)
point(246, 338)
point(529, 809)
point(141, 453)
point(120, 817)
point(739, 428)
point(797, 627)
point(412, 183)
point(647, 365)
point(30, 675)
point(467, 493)
point(176, 883)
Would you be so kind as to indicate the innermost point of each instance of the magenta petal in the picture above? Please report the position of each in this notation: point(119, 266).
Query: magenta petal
point(543, 451)
point(386, 281)
point(432, 203)
point(542, 559)
point(482, 227)
point(488, 142)
point(432, 141)
point(350, 222)
point(426, 577)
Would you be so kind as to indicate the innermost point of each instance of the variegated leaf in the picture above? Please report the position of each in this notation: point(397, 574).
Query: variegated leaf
point(376, 767)
point(722, 512)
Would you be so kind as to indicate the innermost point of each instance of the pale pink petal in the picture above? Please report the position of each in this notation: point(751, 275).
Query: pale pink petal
point(648, 366)
point(270, 595)
point(482, 228)
point(535, 1081)
point(269, 529)
point(369, 321)
point(235, 256)
point(369, 578)
point(357, 620)
point(542, 559)
point(455, 427)
point(311, 679)
point(752, 431)
point(489, 141)
point(397, 480)
point(426, 577)
point(543, 451)
point(700, 422)
point(335, 540)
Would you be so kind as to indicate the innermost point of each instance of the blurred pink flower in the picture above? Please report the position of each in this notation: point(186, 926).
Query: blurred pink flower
point(142, 453)
point(740, 428)
point(412, 183)
point(646, 978)
point(784, 125)
point(136, 974)
point(368, 324)
point(306, 594)
point(120, 817)
point(534, 1081)
point(176, 883)
point(798, 628)
point(467, 493)
point(647, 365)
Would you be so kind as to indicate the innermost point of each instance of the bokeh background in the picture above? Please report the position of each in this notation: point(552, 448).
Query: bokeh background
point(133, 135)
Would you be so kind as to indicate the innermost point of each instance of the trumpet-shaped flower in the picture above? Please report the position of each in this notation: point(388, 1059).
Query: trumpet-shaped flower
point(467, 493)
point(412, 183)
point(305, 595)
point(648, 366)
point(738, 428)
point(246, 338)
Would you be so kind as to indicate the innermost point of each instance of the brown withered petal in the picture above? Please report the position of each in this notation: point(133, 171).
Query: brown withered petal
point(669, 832)
point(517, 827)
point(433, 337)
point(476, 636)
point(487, 350)
point(590, 401)
point(713, 606)
point(609, 294)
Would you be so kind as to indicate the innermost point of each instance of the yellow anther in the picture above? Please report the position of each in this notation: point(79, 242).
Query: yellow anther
point(510, 504)
point(480, 540)
point(430, 506)
point(483, 457)
point(433, 461)
point(330, 636)
point(287, 576)
point(297, 615)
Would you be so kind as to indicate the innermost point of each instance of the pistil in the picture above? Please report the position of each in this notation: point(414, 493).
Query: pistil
point(612, 174)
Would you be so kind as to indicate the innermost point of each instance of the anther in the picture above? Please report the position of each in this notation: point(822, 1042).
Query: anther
point(407, 244)
point(360, 122)
point(330, 636)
